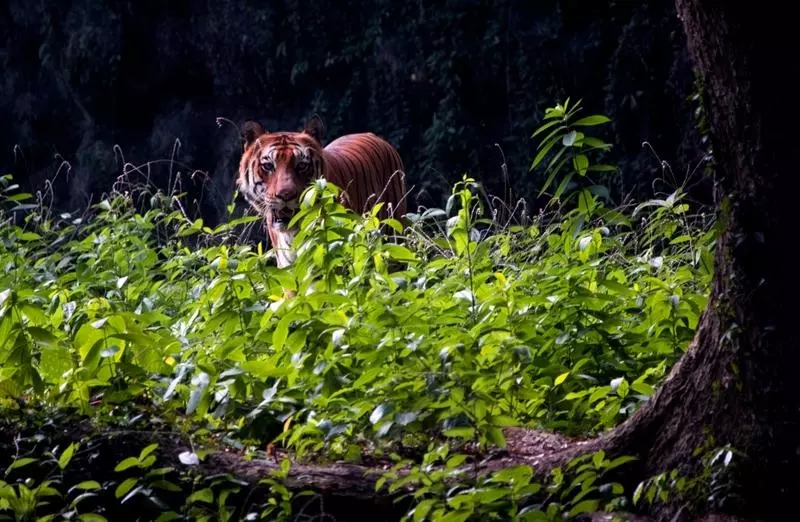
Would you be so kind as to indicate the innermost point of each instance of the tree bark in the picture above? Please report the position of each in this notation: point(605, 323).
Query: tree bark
point(736, 381)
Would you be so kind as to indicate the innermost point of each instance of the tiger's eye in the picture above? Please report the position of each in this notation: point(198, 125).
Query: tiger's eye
point(267, 166)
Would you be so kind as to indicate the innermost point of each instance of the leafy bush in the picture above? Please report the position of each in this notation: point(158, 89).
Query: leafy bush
point(565, 322)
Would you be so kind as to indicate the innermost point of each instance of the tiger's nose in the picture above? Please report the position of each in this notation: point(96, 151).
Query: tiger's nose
point(287, 194)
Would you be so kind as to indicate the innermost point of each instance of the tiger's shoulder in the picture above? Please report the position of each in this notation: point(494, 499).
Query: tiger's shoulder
point(368, 168)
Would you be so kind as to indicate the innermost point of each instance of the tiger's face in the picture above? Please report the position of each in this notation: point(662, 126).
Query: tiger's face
point(275, 169)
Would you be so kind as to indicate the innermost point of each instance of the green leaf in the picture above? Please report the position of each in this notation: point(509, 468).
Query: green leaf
point(29, 236)
point(542, 153)
point(552, 175)
point(166, 485)
point(400, 253)
point(496, 437)
point(642, 387)
point(503, 421)
point(455, 516)
point(422, 509)
point(281, 332)
point(561, 378)
point(585, 506)
point(619, 461)
point(125, 487)
point(580, 162)
point(623, 388)
point(18, 463)
point(489, 495)
point(92, 517)
point(596, 119)
point(202, 495)
point(460, 433)
point(148, 450)
point(597, 458)
point(594, 143)
point(562, 186)
point(599, 393)
point(43, 337)
point(127, 463)
point(264, 369)
point(544, 127)
point(602, 168)
point(88, 485)
point(637, 494)
point(456, 460)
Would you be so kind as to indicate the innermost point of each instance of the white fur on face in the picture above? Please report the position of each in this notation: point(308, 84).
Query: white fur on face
point(257, 195)
point(283, 245)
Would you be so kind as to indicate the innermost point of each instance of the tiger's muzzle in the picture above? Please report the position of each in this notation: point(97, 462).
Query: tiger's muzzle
point(282, 212)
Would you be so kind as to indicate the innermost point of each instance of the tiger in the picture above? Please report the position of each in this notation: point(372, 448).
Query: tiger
point(275, 168)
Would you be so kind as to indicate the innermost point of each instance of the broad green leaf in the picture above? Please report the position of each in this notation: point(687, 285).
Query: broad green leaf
point(92, 517)
point(596, 119)
point(150, 448)
point(561, 378)
point(281, 332)
point(264, 369)
point(580, 162)
point(542, 153)
point(66, 456)
point(125, 486)
point(422, 509)
point(127, 463)
point(400, 253)
point(20, 462)
point(544, 127)
point(461, 433)
point(202, 495)
point(88, 485)
point(585, 506)
point(496, 437)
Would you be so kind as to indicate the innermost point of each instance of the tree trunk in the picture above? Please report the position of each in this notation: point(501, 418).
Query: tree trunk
point(736, 381)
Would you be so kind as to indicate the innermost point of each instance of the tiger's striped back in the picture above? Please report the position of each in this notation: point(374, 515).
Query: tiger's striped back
point(368, 170)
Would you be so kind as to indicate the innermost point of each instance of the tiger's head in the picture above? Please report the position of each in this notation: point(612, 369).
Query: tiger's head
point(276, 167)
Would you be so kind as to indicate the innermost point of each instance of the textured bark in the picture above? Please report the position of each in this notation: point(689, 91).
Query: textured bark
point(736, 381)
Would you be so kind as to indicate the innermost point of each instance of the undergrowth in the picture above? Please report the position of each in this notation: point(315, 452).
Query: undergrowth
point(418, 348)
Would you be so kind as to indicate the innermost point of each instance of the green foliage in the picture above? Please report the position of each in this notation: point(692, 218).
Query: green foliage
point(510, 494)
point(164, 493)
point(564, 129)
point(427, 340)
point(711, 486)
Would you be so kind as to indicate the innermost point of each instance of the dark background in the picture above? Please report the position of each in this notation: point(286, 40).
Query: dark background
point(87, 83)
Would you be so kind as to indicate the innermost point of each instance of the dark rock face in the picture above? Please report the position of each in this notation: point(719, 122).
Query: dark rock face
point(457, 86)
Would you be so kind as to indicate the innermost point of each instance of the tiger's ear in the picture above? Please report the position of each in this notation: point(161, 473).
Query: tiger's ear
point(315, 128)
point(251, 130)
